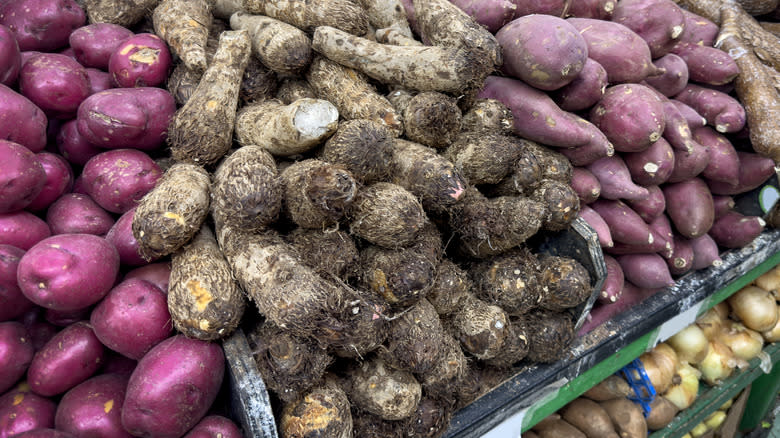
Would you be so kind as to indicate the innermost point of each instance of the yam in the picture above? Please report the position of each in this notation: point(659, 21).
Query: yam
point(185, 27)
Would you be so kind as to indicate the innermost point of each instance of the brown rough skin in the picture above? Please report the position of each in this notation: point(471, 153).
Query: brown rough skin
point(352, 93)
point(560, 202)
point(549, 335)
point(422, 68)
point(451, 286)
point(317, 194)
point(328, 252)
point(524, 177)
point(386, 214)
point(258, 83)
point(203, 298)
point(414, 339)
point(511, 281)
point(487, 115)
point(184, 25)
point(172, 212)
point(341, 14)
point(430, 118)
point(485, 157)
point(441, 380)
point(480, 327)
point(202, 130)
point(363, 147)
point(515, 346)
point(566, 283)
point(286, 129)
point(324, 411)
point(292, 89)
point(122, 12)
point(373, 386)
point(434, 179)
point(290, 365)
point(246, 191)
point(283, 48)
point(387, 14)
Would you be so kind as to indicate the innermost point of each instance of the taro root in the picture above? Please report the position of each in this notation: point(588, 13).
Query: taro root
point(443, 378)
point(485, 157)
point(451, 286)
point(386, 214)
point(560, 201)
point(363, 147)
point(489, 115)
point(430, 118)
point(479, 379)
point(480, 327)
point(322, 411)
point(293, 88)
point(341, 14)
point(316, 193)
point(328, 252)
point(515, 346)
point(511, 281)
point(365, 327)
point(566, 283)
point(184, 25)
point(414, 339)
point(203, 298)
point(375, 387)
point(549, 335)
point(281, 47)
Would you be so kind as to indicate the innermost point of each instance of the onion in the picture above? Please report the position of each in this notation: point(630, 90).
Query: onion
point(743, 342)
point(774, 334)
point(770, 281)
point(690, 344)
point(684, 393)
point(699, 430)
point(719, 363)
point(660, 369)
point(722, 309)
point(755, 307)
point(710, 323)
point(715, 419)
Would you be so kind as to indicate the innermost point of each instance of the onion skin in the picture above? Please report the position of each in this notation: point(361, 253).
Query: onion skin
point(691, 344)
point(684, 394)
point(774, 334)
point(719, 363)
point(742, 341)
point(755, 308)
point(710, 323)
point(770, 281)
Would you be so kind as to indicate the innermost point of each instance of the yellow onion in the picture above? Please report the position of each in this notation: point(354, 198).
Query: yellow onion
point(722, 309)
point(770, 281)
point(684, 393)
point(710, 323)
point(755, 307)
point(715, 419)
point(727, 405)
point(690, 344)
point(699, 430)
point(719, 363)
point(774, 334)
point(659, 370)
point(743, 342)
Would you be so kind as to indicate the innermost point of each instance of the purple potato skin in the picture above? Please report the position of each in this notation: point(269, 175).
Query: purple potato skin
point(142, 60)
point(75, 213)
point(121, 235)
point(93, 407)
point(21, 121)
point(22, 410)
point(45, 433)
point(215, 426)
point(16, 353)
point(59, 180)
point(94, 43)
point(22, 229)
point(10, 57)
point(54, 82)
point(158, 274)
point(21, 176)
point(98, 80)
point(13, 303)
point(119, 178)
point(43, 25)
point(73, 146)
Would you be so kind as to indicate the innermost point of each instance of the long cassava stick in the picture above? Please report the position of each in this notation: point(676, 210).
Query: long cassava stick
point(422, 68)
point(184, 25)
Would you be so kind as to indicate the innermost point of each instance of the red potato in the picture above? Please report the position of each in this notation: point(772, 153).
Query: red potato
point(723, 164)
point(599, 9)
point(21, 176)
point(681, 260)
point(215, 426)
point(705, 252)
point(492, 16)
point(142, 60)
point(659, 22)
point(691, 116)
point(630, 115)
point(10, 57)
point(754, 170)
point(22, 410)
point(707, 65)
point(735, 230)
point(585, 90)
point(121, 236)
point(598, 224)
point(59, 180)
point(68, 271)
point(55, 83)
point(690, 207)
point(77, 213)
point(613, 282)
point(615, 180)
point(585, 183)
point(623, 53)
point(13, 303)
point(98, 80)
point(134, 118)
point(688, 165)
point(625, 225)
point(69, 358)
point(16, 353)
point(119, 178)
point(132, 318)
point(652, 166)
point(22, 229)
point(93, 407)
point(42, 24)
point(115, 363)
point(168, 407)
point(156, 273)
point(64, 318)
point(45, 433)
point(645, 270)
point(698, 30)
point(73, 146)
point(673, 79)
point(544, 51)
point(94, 43)
point(725, 113)
point(652, 206)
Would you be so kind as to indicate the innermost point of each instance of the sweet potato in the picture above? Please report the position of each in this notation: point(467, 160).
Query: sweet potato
point(585, 183)
point(201, 131)
point(599, 9)
point(283, 48)
point(735, 230)
point(662, 412)
point(78, 213)
point(687, 164)
point(611, 387)
point(659, 22)
point(91, 265)
point(613, 283)
point(707, 65)
point(94, 43)
point(142, 60)
point(723, 164)
point(430, 118)
point(698, 30)
point(184, 27)
point(117, 179)
point(55, 83)
point(493, 17)
point(59, 180)
point(652, 166)
point(625, 225)
point(623, 53)
point(652, 206)
point(23, 177)
point(389, 393)
point(170, 407)
point(322, 411)
point(69, 358)
point(552, 428)
point(512, 281)
point(10, 57)
point(585, 90)
point(22, 410)
point(754, 170)
point(22, 229)
point(725, 113)
point(93, 406)
point(693, 118)
point(661, 227)
point(690, 207)
point(673, 79)
point(18, 353)
point(598, 224)
point(615, 180)
point(558, 8)
point(215, 426)
point(42, 24)
point(589, 417)
point(627, 417)
point(682, 255)
point(544, 51)
point(630, 115)
point(386, 214)
point(678, 132)
point(705, 252)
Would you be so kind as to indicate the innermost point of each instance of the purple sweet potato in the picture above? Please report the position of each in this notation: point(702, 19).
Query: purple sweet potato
point(93, 407)
point(126, 117)
point(73, 146)
point(707, 65)
point(681, 260)
point(677, 131)
point(214, 426)
point(94, 43)
point(13, 303)
point(157, 273)
point(615, 179)
point(21, 176)
point(117, 179)
point(169, 407)
point(142, 60)
point(22, 229)
point(613, 282)
point(661, 227)
point(722, 204)
point(22, 410)
point(68, 271)
point(492, 16)
point(691, 116)
point(43, 25)
point(132, 318)
point(545, 51)
point(754, 170)
point(98, 80)
point(17, 353)
point(659, 244)
point(659, 22)
point(598, 148)
point(674, 77)
point(10, 57)
point(121, 236)
point(698, 30)
point(557, 8)
point(585, 90)
point(735, 230)
point(55, 83)
point(78, 213)
point(645, 270)
point(705, 252)
point(690, 207)
point(650, 207)
point(59, 180)
point(722, 111)
point(625, 225)
point(72, 356)
point(631, 296)
point(651, 166)
point(723, 162)
point(585, 183)
point(598, 224)
point(599, 9)
point(623, 53)
point(689, 164)
point(630, 115)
